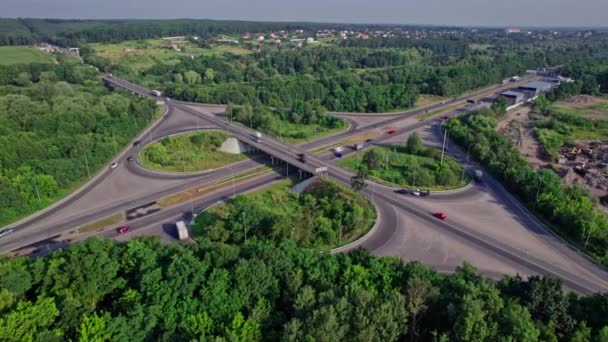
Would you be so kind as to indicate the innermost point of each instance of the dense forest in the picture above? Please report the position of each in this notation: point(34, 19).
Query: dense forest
point(58, 125)
point(302, 121)
point(356, 77)
point(100, 290)
point(342, 79)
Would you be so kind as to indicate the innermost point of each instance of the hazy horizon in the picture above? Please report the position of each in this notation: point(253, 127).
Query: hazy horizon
point(482, 13)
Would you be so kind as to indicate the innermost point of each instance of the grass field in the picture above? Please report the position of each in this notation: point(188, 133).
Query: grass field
point(426, 100)
point(23, 55)
point(590, 107)
point(402, 169)
point(190, 152)
point(144, 54)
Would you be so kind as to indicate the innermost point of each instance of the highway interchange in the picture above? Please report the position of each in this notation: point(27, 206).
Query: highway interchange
point(486, 226)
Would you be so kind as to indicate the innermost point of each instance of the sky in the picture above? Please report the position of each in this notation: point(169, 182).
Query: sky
point(560, 13)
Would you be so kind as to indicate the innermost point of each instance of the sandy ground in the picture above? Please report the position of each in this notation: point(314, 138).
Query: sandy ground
point(517, 123)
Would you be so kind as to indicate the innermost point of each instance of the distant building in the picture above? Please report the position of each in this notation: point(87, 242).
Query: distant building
point(536, 88)
point(246, 35)
point(512, 30)
point(513, 97)
point(260, 38)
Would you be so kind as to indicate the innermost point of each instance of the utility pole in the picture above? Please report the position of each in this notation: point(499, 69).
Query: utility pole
point(183, 159)
point(115, 147)
point(244, 225)
point(466, 165)
point(445, 136)
point(36, 186)
point(588, 236)
point(86, 163)
point(414, 181)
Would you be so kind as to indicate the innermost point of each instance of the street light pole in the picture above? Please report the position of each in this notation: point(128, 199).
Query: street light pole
point(86, 163)
point(445, 136)
point(466, 165)
point(36, 186)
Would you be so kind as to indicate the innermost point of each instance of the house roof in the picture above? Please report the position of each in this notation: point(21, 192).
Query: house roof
point(512, 93)
point(538, 85)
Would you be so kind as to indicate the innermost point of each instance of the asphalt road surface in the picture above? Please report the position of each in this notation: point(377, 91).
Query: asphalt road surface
point(127, 186)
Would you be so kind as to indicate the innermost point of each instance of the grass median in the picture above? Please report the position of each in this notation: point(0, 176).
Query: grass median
point(328, 215)
point(101, 224)
point(189, 152)
point(396, 165)
point(207, 188)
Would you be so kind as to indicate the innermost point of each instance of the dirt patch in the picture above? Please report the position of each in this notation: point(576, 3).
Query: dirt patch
point(591, 107)
point(517, 124)
point(583, 101)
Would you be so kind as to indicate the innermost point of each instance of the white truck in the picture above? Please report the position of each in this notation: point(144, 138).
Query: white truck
point(478, 175)
point(182, 230)
point(359, 146)
point(257, 136)
point(156, 93)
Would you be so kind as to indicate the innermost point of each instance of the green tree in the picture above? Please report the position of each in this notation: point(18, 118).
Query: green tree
point(372, 159)
point(29, 320)
point(93, 329)
point(414, 144)
point(358, 181)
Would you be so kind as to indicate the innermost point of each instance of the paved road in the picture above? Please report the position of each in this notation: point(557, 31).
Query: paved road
point(491, 246)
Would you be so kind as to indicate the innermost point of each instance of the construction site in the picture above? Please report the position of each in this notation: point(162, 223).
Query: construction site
point(583, 164)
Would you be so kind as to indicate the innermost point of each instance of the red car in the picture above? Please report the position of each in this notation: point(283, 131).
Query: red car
point(440, 215)
point(392, 131)
point(124, 230)
point(446, 117)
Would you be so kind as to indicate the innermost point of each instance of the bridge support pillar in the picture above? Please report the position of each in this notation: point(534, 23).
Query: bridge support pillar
point(300, 172)
point(271, 160)
point(287, 167)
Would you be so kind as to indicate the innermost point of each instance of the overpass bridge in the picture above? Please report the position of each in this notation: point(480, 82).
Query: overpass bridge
point(270, 146)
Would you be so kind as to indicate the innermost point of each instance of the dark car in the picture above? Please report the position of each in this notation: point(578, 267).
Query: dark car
point(136, 142)
point(130, 159)
point(124, 229)
point(403, 191)
point(392, 131)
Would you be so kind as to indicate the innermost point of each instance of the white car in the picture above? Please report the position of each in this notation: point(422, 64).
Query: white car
point(6, 232)
point(416, 192)
point(113, 165)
